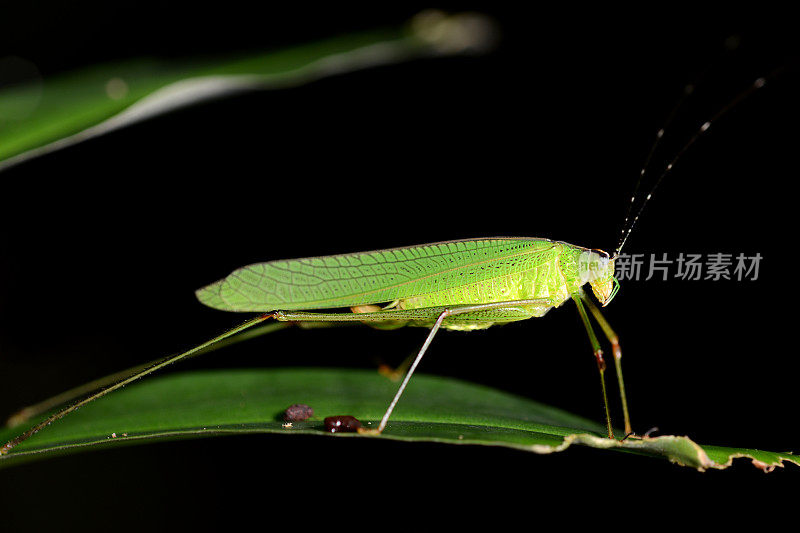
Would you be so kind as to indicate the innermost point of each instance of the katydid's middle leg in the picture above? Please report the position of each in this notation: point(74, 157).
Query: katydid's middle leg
point(384, 369)
point(394, 373)
point(411, 314)
point(389, 316)
point(410, 372)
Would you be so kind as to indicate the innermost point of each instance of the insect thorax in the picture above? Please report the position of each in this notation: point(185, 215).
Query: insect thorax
point(551, 275)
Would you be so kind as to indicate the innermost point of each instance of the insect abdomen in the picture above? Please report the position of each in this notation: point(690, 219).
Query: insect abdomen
point(534, 282)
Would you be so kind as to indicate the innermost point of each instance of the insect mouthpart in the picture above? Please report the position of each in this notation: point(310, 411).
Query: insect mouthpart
point(613, 293)
point(597, 269)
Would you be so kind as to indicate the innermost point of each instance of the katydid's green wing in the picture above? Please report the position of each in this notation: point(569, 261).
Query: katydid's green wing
point(372, 277)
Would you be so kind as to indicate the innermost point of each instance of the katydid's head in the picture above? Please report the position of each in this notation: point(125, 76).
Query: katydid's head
point(597, 268)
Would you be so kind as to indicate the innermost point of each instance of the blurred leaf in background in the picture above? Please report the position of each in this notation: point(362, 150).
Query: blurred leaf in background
point(38, 115)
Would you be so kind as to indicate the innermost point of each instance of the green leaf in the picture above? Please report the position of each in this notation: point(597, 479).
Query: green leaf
point(433, 409)
point(41, 116)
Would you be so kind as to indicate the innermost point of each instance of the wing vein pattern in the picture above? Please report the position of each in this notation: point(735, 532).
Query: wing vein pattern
point(373, 277)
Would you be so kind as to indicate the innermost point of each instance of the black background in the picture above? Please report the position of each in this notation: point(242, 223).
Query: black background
point(103, 244)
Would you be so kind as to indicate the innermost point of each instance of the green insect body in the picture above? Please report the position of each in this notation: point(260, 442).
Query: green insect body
point(425, 277)
point(461, 285)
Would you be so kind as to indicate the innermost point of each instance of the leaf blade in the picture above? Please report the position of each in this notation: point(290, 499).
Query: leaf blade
point(435, 409)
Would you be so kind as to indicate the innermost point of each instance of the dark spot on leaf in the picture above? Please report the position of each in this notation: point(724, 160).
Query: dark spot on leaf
point(342, 424)
point(297, 412)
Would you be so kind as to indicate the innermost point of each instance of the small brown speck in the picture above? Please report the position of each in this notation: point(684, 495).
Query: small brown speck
point(297, 412)
point(342, 424)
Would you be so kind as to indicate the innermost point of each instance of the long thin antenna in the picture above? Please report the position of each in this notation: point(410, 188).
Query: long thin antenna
point(731, 45)
point(630, 223)
point(687, 90)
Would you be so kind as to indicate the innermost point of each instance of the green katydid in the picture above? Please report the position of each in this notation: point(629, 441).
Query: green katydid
point(460, 285)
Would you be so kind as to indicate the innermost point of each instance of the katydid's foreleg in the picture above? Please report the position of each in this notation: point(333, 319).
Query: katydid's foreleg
point(598, 354)
point(614, 340)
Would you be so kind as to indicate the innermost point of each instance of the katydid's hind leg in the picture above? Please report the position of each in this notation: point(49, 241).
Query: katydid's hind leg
point(614, 340)
point(31, 411)
point(383, 324)
point(598, 354)
point(137, 373)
